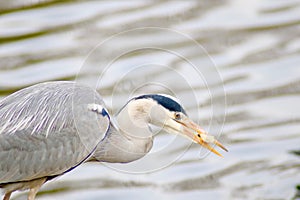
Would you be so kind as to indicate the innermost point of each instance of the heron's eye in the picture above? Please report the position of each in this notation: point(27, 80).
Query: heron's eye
point(177, 116)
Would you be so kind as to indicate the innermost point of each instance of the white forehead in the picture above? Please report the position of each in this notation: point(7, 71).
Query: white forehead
point(168, 102)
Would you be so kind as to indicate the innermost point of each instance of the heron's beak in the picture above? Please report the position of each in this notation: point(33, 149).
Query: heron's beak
point(198, 135)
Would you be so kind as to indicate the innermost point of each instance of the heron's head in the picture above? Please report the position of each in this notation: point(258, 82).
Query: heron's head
point(165, 112)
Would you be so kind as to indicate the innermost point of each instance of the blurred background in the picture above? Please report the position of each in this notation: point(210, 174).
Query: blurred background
point(234, 65)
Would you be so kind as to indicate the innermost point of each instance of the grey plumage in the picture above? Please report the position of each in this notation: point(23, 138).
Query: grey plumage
point(49, 129)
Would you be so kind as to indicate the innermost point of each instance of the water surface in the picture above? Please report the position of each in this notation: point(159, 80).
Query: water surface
point(233, 64)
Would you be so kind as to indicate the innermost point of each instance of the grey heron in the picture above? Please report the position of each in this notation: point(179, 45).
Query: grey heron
point(50, 128)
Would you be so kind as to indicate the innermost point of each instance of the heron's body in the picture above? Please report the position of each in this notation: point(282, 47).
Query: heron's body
point(35, 143)
point(49, 129)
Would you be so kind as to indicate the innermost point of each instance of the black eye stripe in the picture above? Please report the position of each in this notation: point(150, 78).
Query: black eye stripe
point(166, 102)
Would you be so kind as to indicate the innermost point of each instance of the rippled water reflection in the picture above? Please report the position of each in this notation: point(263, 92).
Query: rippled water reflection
point(253, 49)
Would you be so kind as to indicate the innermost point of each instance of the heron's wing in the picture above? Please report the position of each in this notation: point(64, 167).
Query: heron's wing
point(48, 129)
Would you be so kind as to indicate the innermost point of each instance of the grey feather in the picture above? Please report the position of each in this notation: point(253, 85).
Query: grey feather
point(47, 129)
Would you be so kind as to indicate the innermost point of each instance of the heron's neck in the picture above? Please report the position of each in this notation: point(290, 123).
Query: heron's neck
point(133, 124)
point(125, 141)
